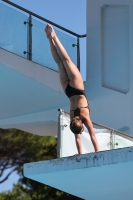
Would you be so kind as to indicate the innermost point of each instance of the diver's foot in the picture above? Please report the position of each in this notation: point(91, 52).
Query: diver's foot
point(49, 31)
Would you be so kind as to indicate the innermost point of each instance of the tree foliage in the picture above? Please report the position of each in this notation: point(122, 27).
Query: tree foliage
point(19, 147)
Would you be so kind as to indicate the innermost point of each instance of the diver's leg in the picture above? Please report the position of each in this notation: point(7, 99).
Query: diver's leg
point(62, 71)
point(72, 71)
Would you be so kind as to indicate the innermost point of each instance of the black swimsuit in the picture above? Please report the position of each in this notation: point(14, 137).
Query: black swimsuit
point(70, 91)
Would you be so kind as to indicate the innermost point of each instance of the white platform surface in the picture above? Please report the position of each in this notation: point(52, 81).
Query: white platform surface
point(104, 175)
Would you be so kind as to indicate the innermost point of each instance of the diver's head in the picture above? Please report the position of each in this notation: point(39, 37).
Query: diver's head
point(76, 125)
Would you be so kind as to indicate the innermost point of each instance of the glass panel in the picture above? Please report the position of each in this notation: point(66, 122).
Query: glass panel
point(41, 48)
point(121, 142)
point(13, 32)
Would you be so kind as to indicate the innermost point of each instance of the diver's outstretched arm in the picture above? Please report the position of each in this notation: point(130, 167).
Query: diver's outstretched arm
point(89, 126)
point(78, 143)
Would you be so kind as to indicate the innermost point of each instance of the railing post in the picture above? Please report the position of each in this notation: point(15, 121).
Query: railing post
point(78, 54)
point(30, 38)
point(111, 140)
point(59, 134)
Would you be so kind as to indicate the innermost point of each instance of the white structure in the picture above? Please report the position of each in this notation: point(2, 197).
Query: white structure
point(97, 176)
point(30, 95)
point(109, 84)
point(31, 87)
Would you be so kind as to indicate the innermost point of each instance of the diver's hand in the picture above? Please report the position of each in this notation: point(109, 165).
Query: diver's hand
point(77, 154)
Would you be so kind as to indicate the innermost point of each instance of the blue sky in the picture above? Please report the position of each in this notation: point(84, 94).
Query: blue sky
point(70, 14)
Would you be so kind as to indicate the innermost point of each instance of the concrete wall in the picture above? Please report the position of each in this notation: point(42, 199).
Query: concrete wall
point(109, 85)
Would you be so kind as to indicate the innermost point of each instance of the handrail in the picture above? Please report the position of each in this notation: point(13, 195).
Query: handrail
point(43, 19)
point(113, 130)
point(108, 128)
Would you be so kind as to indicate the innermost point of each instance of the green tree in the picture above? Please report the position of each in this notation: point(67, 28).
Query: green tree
point(19, 147)
point(18, 193)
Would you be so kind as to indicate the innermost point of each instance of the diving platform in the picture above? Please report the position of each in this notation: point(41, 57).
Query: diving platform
point(106, 174)
point(94, 176)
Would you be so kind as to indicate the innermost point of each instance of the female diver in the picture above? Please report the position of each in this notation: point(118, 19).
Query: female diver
point(73, 86)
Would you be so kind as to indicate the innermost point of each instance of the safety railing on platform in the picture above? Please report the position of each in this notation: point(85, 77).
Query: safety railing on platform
point(117, 139)
point(23, 34)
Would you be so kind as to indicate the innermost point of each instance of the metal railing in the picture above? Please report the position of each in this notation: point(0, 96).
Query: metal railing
point(29, 23)
point(106, 127)
point(115, 131)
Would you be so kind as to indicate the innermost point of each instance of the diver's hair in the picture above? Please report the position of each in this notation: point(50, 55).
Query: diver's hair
point(76, 125)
